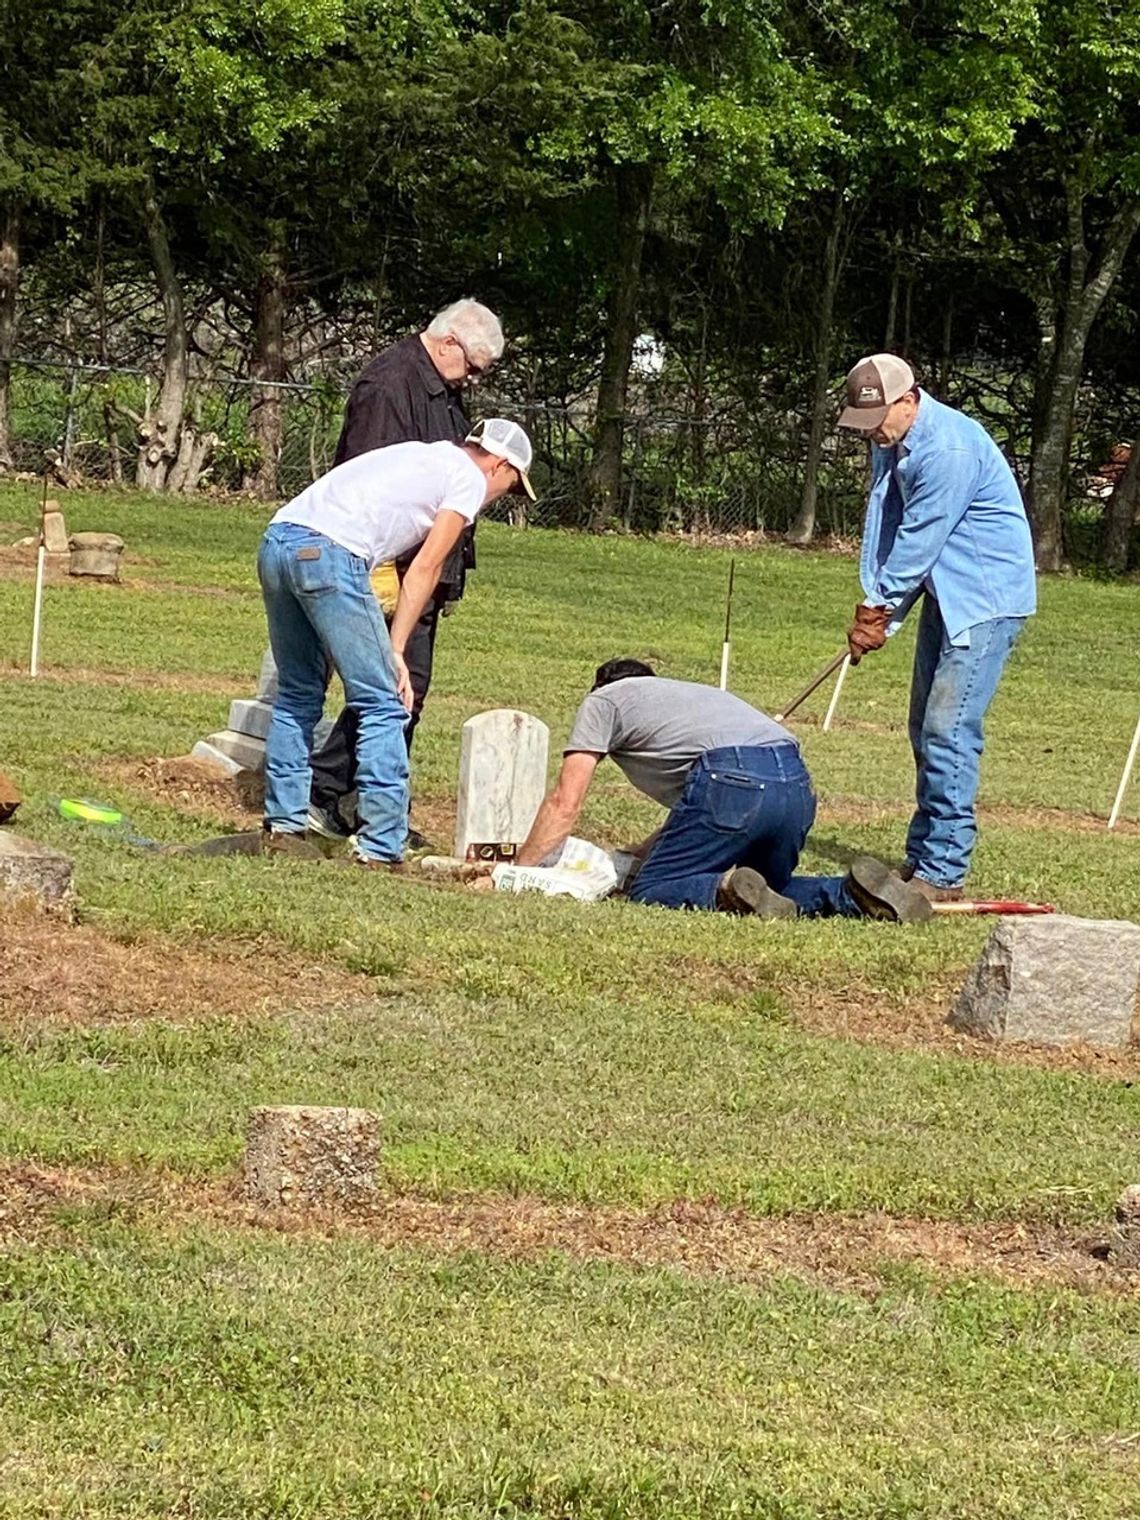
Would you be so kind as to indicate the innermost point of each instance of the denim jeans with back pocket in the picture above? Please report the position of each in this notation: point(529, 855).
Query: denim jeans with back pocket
point(321, 611)
point(742, 805)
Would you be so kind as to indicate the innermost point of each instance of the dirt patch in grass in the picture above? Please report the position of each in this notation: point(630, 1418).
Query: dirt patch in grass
point(53, 973)
point(920, 1024)
point(194, 787)
point(433, 814)
point(846, 1252)
point(191, 786)
point(871, 1016)
point(178, 588)
point(860, 810)
point(18, 563)
point(139, 680)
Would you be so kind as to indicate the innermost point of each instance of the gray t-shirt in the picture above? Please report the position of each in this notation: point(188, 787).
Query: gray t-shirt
point(654, 729)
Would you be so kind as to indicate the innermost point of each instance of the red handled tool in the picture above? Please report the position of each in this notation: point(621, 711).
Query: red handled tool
point(991, 905)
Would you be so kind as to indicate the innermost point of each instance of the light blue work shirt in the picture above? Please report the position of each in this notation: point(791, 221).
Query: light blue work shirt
point(945, 515)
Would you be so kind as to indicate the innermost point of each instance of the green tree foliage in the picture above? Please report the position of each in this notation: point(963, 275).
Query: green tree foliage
point(770, 188)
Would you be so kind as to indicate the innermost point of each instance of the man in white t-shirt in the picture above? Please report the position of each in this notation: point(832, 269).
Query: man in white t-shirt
point(313, 566)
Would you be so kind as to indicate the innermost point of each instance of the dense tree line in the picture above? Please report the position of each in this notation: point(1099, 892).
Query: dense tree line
point(768, 189)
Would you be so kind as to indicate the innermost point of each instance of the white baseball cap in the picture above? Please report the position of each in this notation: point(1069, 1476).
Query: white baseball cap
point(506, 439)
point(873, 385)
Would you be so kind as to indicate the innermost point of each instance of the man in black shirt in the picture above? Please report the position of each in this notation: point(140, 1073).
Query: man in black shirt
point(410, 393)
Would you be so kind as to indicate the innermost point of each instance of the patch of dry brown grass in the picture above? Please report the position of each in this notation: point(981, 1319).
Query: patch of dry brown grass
point(57, 973)
point(845, 1252)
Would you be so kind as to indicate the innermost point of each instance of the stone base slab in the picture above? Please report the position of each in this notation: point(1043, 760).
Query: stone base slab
point(248, 753)
point(251, 718)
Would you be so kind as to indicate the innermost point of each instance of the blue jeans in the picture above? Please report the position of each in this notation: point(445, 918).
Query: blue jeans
point(741, 806)
point(949, 696)
point(322, 612)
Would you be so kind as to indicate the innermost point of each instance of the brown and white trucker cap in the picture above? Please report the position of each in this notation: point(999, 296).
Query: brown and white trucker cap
point(873, 385)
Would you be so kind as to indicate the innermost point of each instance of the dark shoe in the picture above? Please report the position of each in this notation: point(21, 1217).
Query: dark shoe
point(326, 822)
point(935, 894)
point(285, 842)
point(417, 841)
point(880, 892)
point(743, 890)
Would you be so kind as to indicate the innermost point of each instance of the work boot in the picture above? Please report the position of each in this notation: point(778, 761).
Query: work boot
point(880, 892)
point(935, 894)
point(289, 842)
point(743, 890)
point(370, 863)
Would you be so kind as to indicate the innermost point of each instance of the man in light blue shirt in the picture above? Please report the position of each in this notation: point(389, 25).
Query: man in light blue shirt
point(945, 522)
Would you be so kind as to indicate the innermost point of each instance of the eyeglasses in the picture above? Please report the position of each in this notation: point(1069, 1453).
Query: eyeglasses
point(474, 371)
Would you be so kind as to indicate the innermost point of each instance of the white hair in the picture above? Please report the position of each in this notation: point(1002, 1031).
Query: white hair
point(476, 326)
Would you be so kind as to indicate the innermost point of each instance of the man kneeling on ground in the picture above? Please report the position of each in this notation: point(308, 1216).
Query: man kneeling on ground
point(740, 803)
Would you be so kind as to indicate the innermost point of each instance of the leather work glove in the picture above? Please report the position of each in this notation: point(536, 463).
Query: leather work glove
point(868, 631)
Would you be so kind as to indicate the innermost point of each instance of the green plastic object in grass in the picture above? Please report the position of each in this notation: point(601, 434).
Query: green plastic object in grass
point(103, 816)
point(82, 810)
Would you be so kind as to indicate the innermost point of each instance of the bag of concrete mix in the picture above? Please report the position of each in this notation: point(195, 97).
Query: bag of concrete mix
point(580, 869)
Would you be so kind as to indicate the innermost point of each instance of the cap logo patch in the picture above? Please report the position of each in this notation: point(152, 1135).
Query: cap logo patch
point(869, 395)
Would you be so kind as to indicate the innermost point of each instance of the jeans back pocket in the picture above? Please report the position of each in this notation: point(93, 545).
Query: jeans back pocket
point(313, 569)
point(734, 800)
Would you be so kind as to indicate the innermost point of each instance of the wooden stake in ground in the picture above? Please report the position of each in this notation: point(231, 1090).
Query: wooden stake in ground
point(38, 605)
point(834, 703)
point(1122, 788)
point(829, 669)
point(726, 647)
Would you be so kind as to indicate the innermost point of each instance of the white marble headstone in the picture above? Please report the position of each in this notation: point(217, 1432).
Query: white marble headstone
point(502, 777)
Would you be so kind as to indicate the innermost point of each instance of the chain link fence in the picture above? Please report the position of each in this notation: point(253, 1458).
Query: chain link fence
point(723, 475)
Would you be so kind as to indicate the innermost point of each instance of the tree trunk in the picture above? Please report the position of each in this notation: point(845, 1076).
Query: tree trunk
point(1062, 365)
point(634, 184)
point(893, 296)
point(9, 279)
point(161, 428)
point(947, 348)
point(698, 441)
point(1120, 512)
point(802, 529)
point(267, 363)
point(195, 450)
point(99, 293)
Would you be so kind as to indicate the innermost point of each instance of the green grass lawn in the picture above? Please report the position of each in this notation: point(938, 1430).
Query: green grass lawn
point(605, 1054)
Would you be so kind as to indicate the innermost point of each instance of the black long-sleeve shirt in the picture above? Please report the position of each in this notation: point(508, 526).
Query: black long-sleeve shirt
point(402, 398)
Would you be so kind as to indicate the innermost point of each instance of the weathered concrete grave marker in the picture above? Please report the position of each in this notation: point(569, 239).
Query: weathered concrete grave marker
point(95, 554)
point(30, 869)
point(1053, 980)
point(502, 777)
point(299, 1156)
point(54, 529)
